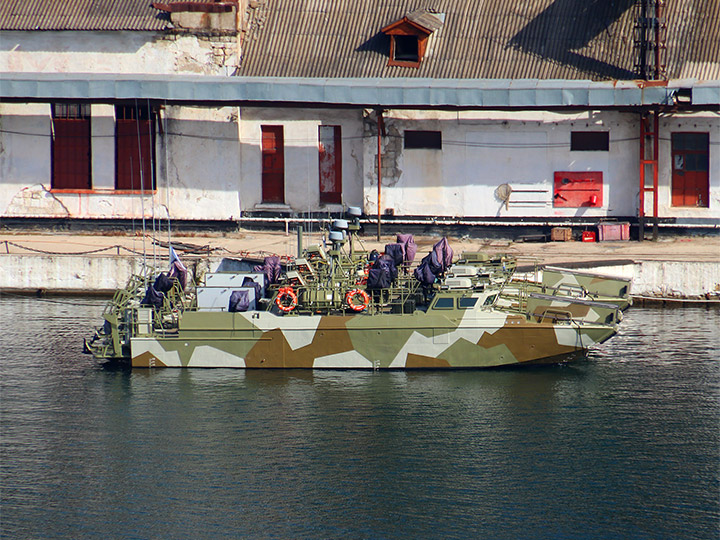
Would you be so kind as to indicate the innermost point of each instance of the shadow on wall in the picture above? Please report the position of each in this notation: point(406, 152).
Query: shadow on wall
point(590, 18)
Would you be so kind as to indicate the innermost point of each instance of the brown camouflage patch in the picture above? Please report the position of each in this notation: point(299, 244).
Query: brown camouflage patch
point(273, 350)
point(147, 359)
point(526, 342)
point(417, 361)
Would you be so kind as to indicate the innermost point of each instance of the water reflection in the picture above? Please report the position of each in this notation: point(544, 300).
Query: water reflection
point(622, 444)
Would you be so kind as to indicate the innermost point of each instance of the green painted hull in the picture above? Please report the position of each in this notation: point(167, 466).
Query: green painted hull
point(478, 339)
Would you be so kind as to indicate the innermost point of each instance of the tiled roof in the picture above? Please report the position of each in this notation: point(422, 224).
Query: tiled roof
point(488, 39)
point(80, 15)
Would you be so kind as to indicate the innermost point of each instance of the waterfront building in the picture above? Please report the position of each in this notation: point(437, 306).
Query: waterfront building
point(476, 112)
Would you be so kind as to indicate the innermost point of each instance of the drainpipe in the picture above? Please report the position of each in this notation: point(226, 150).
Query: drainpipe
point(381, 128)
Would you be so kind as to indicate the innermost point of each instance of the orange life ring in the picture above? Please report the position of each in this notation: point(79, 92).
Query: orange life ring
point(282, 299)
point(352, 296)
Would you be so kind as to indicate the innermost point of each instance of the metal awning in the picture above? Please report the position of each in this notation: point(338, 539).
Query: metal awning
point(386, 93)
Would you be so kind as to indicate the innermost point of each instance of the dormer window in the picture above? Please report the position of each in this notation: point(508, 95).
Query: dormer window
point(409, 37)
point(405, 49)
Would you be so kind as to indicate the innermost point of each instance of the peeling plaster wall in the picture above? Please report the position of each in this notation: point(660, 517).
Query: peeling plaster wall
point(197, 160)
point(197, 167)
point(24, 158)
point(118, 52)
point(483, 149)
point(300, 129)
point(201, 163)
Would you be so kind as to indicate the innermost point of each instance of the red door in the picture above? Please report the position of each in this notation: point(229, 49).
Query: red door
point(273, 164)
point(330, 164)
point(690, 169)
point(71, 147)
point(133, 149)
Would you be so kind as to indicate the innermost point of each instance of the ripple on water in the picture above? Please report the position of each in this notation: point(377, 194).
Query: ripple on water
point(622, 444)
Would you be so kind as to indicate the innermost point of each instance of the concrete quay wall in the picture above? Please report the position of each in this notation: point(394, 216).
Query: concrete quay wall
point(668, 279)
point(66, 273)
point(102, 274)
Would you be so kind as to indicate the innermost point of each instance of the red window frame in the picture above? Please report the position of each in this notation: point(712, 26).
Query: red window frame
point(273, 164)
point(330, 165)
point(134, 148)
point(71, 147)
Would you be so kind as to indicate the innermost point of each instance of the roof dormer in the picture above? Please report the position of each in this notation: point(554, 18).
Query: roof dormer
point(409, 37)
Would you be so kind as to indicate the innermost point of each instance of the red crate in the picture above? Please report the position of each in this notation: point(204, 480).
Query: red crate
point(614, 231)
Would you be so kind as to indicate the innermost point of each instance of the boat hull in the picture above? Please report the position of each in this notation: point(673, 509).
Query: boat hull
point(418, 341)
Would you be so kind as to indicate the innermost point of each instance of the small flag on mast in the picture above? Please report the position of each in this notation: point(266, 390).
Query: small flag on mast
point(174, 258)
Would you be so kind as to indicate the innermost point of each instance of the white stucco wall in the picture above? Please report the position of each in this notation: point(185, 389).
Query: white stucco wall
point(24, 153)
point(117, 52)
point(200, 167)
point(300, 129)
point(208, 163)
point(482, 150)
point(197, 163)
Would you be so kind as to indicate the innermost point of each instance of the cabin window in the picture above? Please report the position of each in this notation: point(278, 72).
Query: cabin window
point(70, 150)
point(467, 303)
point(134, 148)
point(490, 300)
point(590, 141)
point(444, 303)
point(423, 139)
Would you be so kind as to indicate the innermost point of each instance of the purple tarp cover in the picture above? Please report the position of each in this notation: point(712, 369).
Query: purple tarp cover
point(271, 268)
point(396, 252)
point(444, 253)
point(153, 298)
point(239, 301)
point(434, 263)
point(409, 245)
point(382, 273)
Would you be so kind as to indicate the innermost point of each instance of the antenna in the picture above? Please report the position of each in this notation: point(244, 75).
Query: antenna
point(142, 186)
point(166, 142)
point(354, 213)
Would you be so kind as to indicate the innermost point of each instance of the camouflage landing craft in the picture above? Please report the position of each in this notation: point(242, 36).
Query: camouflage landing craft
point(329, 310)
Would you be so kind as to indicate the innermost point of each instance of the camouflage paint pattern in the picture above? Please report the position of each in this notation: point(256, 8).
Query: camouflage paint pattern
point(471, 338)
point(600, 287)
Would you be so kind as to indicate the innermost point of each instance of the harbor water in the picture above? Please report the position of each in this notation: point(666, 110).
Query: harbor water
point(623, 444)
